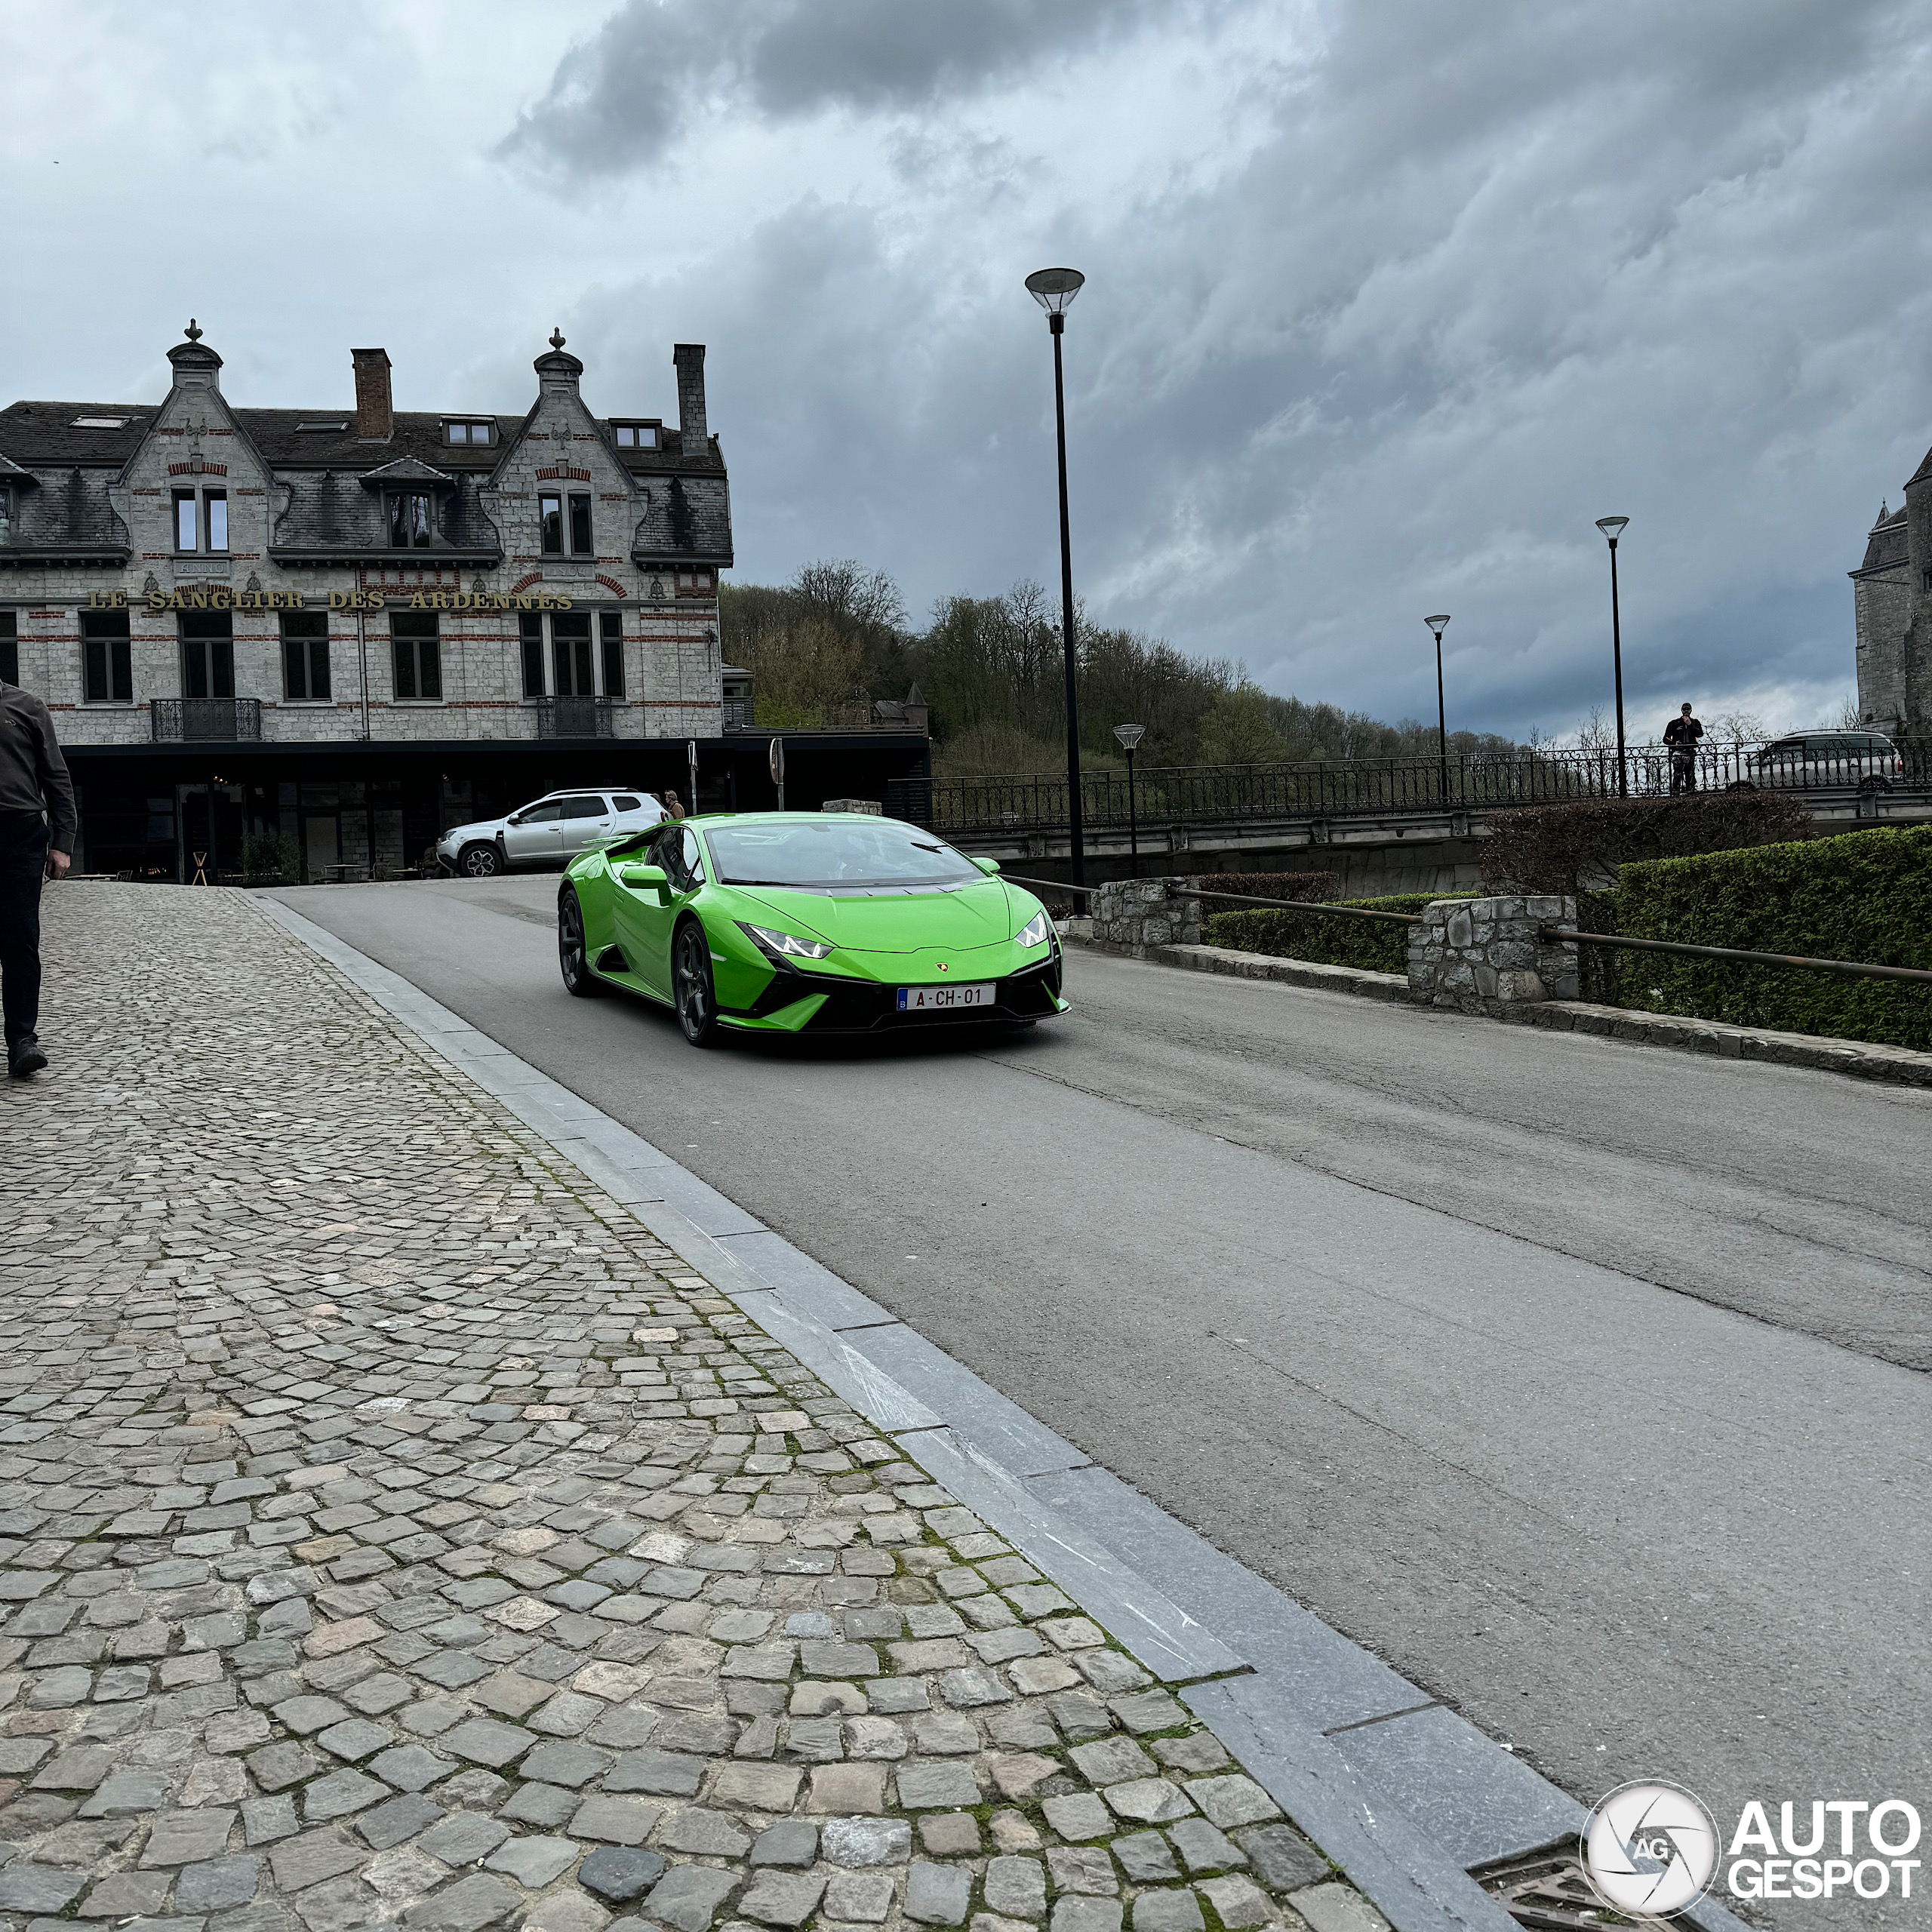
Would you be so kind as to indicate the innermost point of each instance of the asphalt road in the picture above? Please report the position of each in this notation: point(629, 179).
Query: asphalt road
point(1582, 1382)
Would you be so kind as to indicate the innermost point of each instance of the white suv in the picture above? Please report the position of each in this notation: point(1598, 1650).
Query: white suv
point(547, 833)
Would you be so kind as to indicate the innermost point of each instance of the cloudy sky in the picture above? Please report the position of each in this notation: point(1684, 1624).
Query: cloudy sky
point(1387, 301)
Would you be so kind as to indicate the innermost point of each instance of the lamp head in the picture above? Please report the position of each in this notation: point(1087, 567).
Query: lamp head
point(1054, 289)
point(1612, 526)
point(1436, 624)
point(1129, 735)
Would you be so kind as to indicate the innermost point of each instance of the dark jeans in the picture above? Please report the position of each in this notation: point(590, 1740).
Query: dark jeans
point(1682, 774)
point(22, 864)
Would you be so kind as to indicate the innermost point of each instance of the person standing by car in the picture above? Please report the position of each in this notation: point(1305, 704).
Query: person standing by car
point(1681, 735)
point(671, 807)
point(37, 826)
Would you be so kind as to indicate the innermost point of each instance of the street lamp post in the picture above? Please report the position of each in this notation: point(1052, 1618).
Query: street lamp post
point(1435, 625)
point(1130, 735)
point(1054, 289)
point(1612, 527)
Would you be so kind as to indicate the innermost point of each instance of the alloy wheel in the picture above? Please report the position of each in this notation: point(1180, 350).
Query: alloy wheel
point(697, 1011)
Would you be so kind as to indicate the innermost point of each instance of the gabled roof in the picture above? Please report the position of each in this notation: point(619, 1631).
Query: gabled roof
point(409, 470)
point(1923, 470)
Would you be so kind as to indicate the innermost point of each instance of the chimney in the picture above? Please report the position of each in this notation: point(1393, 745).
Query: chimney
point(692, 435)
point(375, 411)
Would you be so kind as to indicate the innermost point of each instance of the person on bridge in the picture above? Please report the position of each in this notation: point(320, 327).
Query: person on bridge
point(1681, 735)
point(37, 826)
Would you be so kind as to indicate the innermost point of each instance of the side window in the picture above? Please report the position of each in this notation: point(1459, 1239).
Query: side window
point(584, 804)
point(625, 802)
point(547, 813)
point(663, 854)
point(690, 857)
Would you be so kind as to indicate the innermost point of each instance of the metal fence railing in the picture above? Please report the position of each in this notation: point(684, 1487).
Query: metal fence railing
point(572, 717)
point(215, 720)
point(1197, 794)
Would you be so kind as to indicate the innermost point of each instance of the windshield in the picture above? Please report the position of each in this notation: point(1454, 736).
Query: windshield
point(836, 853)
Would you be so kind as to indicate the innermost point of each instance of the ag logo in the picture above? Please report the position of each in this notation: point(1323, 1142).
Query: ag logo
point(1651, 1847)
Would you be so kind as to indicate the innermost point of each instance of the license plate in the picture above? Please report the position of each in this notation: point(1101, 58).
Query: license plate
point(944, 999)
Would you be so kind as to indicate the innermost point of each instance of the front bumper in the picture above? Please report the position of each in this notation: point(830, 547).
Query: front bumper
point(868, 1006)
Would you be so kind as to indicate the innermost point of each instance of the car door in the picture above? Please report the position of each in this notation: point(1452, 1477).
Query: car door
point(533, 836)
point(586, 814)
point(645, 914)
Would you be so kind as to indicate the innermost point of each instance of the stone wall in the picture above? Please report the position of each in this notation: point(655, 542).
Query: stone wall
point(1139, 912)
point(1481, 955)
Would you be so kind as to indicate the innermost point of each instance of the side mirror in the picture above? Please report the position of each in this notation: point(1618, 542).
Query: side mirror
point(640, 877)
point(515, 818)
point(989, 866)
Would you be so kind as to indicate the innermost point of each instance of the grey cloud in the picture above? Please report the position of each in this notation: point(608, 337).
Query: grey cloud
point(621, 99)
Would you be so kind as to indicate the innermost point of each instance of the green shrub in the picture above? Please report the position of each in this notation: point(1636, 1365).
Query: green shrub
point(1865, 896)
point(1275, 885)
point(1574, 848)
point(1374, 945)
point(269, 858)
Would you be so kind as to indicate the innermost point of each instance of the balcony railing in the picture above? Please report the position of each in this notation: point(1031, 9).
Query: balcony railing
point(574, 718)
point(738, 714)
point(216, 720)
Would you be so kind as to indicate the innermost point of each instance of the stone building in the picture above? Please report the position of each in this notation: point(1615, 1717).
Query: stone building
point(358, 626)
point(1892, 609)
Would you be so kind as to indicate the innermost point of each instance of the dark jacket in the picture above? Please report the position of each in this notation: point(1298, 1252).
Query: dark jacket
point(33, 775)
point(1681, 734)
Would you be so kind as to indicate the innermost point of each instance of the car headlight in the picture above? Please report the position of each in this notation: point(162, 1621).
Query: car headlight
point(786, 945)
point(1034, 931)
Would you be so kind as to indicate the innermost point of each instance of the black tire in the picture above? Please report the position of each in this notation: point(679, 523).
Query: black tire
point(572, 956)
point(692, 990)
point(479, 861)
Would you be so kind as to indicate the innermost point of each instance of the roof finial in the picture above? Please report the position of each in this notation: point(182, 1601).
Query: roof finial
point(556, 338)
point(193, 334)
point(1884, 508)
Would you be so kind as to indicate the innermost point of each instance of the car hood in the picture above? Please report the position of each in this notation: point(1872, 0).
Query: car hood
point(484, 827)
point(887, 920)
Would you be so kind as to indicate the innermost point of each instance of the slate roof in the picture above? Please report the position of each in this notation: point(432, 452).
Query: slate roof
point(1923, 470)
point(1886, 546)
point(36, 435)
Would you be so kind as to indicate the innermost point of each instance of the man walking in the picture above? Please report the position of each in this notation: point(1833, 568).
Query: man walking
point(1681, 735)
point(37, 824)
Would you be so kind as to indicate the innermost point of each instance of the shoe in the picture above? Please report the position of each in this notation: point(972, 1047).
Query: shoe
point(25, 1059)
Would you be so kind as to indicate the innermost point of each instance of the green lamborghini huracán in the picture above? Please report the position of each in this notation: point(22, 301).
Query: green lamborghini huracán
point(806, 922)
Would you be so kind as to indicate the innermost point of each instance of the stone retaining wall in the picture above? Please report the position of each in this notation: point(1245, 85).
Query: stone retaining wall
point(1138, 912)
point(1478, 955)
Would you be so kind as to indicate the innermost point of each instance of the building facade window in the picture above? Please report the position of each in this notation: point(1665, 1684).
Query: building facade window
point(409, 520)
point(6, 516)
point(530, 627)
point(305, 656)
point(471, 433)
point(564, 523)
point(611, 627)
point(636, 436)
point(214, 519)
point(107, 673)
point(10, 648)
point(186, 520)
point(418, 655)
point(207, 653)
point(569, 642)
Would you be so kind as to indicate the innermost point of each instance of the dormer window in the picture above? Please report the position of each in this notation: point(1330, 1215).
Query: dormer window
point(471, 433)
point(320, 429)
point(100, 423)
point(409, 520)
point(6, 517)
point(637, 435)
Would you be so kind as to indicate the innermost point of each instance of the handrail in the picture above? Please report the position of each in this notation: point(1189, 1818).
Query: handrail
point(1852, 968)
point(1244, 898)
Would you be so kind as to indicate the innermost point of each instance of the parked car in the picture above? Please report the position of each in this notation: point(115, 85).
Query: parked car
point(1811, 761)
point(547, 833)
point(807, 922)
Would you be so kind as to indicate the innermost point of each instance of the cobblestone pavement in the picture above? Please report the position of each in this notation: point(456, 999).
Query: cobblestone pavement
point(392, 1531)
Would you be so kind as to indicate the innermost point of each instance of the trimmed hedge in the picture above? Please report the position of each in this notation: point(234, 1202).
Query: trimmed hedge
point(1575, 847)
point(1275, 885)
point(1367, 943)
point(1865, 896)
